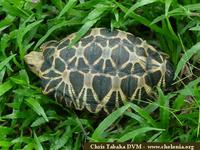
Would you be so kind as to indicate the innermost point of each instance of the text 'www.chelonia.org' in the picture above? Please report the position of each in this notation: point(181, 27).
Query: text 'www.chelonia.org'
point(140, 146)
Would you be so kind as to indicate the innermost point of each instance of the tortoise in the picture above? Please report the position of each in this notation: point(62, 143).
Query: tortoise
point(101, 71)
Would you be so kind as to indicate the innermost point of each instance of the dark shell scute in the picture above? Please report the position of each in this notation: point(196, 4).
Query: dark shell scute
point(76, 80)
point(138, 69)
point(59, 65)
point(99, 66)
point(101, 85)
point(47, 64)
point(92, 53)
point(109, 68)
point(72, 64)
point(82, 66)
point(129, 85)
point(140, 51)
point(100, 40)
point(127, 69)
point(119, 56)
point(114, 42)
point(86, 40)
point(67, 53)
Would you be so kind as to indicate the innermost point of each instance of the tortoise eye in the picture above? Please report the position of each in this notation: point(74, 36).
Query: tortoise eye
point(31, 65)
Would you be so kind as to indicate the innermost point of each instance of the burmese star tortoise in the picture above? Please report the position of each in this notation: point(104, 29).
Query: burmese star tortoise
point(101, 71)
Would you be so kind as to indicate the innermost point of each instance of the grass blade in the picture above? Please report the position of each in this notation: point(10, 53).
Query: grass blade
point(22, 32)
point(131, 135)
point(89, 21)
point(60, 142)
point(145, 22)
point(67, 7)
point(144, 114)
point(84, 29)
point(6, 61)
point(36, 107)
point(37, 141)
point(5, 87)
point(139, 4)
point(185, 58)
point(58, 26)
point(108, 121)
point(164, 109)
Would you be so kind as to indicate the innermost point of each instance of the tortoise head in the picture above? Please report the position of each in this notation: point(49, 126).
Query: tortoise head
point(34, 60)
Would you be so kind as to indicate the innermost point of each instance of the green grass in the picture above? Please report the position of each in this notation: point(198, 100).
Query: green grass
point(29, 120)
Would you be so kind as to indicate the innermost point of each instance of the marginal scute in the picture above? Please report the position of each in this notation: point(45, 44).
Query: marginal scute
point(48, 52)
point(153, 78)
point(68, 99)
point(63, 44)
point(131, 37)
point(51, 74)
point(111, 102)
point(126, 43)
point(169, 75)
point(45, 81)
point(46, 45)
point(52, 84)
point(141, 93)
point(155, 55)
point(107, 33)
point(103, 70)
point(58, 96)
point(91, 101)
point(60, 88)
point(120, 100)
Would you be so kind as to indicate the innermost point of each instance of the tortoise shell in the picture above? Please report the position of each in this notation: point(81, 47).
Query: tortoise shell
point(103, 70)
